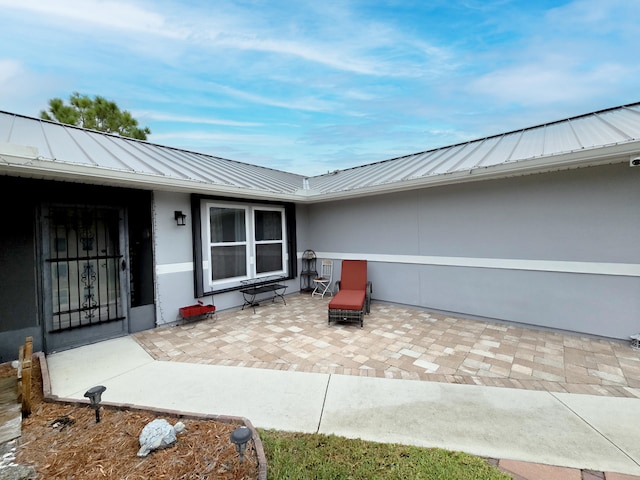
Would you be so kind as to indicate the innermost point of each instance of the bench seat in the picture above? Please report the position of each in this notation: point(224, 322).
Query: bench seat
point(348, 306)
point(348, 300)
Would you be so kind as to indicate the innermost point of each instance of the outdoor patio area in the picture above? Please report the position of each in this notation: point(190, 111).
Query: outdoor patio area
point(403, 343)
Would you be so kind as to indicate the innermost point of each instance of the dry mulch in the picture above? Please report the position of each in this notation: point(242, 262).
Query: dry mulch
point(63, 441)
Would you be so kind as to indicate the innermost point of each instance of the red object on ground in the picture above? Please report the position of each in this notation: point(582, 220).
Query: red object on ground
point(197, 310)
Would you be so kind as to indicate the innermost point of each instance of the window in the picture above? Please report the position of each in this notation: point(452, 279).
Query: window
point(228, 233)
point(268, 228)
point(245, 241)
point(237, 239)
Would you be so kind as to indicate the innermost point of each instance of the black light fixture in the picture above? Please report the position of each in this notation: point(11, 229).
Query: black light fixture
point(94, 394)
point(180, 218)
point(240, 436)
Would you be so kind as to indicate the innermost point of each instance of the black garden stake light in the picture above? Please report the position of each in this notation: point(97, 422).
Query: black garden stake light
point(240, 436)
point(94, 394)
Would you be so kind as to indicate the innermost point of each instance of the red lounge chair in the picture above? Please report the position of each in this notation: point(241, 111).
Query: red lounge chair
point(353, 297)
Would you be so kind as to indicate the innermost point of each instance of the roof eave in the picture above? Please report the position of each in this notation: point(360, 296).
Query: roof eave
point(618, 153)
point(26, 163)
point(30, 167)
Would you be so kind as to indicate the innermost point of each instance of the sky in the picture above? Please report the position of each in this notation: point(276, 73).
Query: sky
point(314, 86)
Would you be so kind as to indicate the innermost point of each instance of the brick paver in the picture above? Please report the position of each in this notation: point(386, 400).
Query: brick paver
point(403, 343)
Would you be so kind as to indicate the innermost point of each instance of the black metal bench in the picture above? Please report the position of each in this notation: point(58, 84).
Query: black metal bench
point(255, 288)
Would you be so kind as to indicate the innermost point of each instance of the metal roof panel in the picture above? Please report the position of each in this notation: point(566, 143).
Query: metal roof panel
point(592, 132)
point(531, 144)
point(514, 150)
point(476, 156)
point(73, 145)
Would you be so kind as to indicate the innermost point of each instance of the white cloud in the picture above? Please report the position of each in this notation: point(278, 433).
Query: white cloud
point(322, 82)
point(307, 103)
point(111, 14)
point(579, 51)
point(9, 68)
point(540, 83)
point(338, 40)
point(205, 120)
point(328, 55)
point(22, 90)
point(327, 35)
point(596, 16)
point(207, 138)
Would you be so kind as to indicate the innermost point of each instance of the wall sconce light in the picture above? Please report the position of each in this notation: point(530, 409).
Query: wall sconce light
point(180, 218)
point(94, 395)
point(240, 436)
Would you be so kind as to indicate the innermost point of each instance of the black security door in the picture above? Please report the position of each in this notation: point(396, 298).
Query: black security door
point(84, 275)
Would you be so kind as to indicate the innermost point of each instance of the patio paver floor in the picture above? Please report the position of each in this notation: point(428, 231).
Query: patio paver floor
point(403, 343)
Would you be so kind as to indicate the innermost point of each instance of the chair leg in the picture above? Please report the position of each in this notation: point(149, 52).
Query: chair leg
point(321, 288)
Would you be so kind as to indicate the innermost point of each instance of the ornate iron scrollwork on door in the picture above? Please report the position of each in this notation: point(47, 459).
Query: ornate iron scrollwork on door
point(85, 262)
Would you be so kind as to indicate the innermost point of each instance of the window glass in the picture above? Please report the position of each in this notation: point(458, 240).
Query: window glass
point(268, 258)
point(227, 225)
point(245, 242)
point(268, 225)
point(268, 238)
point(228, 262)
point(228, 255)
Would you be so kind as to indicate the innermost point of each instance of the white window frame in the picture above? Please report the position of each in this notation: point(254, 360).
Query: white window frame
point(282, 241)
point(250, 243)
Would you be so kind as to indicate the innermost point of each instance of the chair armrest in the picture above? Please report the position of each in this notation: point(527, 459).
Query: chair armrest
point(337, 285)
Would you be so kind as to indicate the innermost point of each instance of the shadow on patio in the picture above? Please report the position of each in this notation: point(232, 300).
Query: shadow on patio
point(404, 343)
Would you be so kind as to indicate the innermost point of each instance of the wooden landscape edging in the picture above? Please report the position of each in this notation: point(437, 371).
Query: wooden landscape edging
point(24, 375)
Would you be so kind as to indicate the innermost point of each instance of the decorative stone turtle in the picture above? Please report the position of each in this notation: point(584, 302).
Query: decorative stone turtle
point(158, 434)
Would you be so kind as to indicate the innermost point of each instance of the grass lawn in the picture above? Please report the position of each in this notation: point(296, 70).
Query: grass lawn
point(313, 456)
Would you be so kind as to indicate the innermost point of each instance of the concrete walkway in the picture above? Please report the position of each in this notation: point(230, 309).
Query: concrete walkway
point(574, 431)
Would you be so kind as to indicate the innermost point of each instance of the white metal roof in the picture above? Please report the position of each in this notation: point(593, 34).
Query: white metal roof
point(63, 151)
point(605, 136)
point(42, 149)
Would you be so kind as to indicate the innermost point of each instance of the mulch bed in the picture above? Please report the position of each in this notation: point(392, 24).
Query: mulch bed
point(63, 441)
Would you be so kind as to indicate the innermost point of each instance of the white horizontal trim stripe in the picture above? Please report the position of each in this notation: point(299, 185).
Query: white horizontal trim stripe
point(592, 268)
point(174, 268)
point(178, 267)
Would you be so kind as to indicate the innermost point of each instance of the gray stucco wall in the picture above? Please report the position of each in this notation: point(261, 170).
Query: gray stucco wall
point(506, 249)
point(174, 259)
